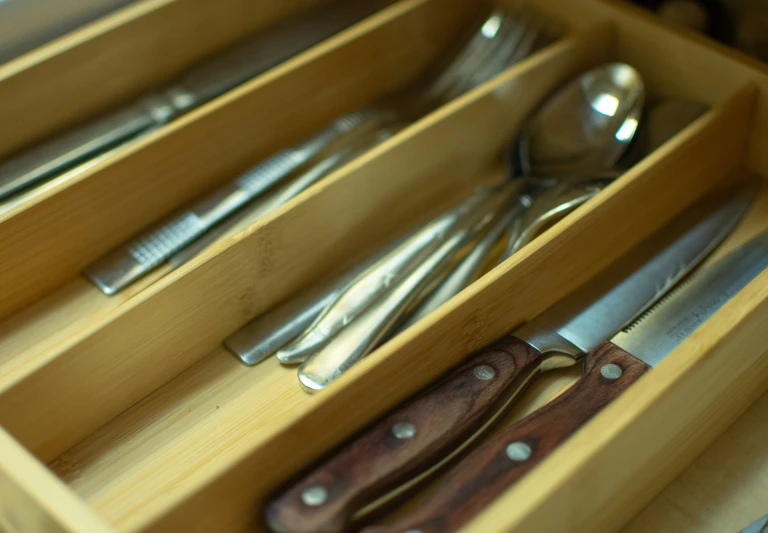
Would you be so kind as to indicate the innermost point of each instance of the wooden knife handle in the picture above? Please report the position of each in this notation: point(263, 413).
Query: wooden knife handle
point(488, 471)
point(406, 443)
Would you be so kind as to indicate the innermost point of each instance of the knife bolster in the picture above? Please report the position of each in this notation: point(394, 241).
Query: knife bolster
point(557, 351)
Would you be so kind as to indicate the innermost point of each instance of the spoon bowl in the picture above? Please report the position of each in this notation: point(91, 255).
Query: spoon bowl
point(584, 127)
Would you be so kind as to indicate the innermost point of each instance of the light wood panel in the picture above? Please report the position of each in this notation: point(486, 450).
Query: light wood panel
point(32, 337)
point(49, 240)
point(617, 463)
point(132, 50)
point(519, 289)
point(724, 489)
point(33, 500)
point(188, 313)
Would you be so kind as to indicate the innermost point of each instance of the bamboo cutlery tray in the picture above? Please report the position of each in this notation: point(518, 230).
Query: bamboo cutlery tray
point(125, 413)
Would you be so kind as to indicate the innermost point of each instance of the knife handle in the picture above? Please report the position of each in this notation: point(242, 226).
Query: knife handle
point(411, 442)
point(479, 478)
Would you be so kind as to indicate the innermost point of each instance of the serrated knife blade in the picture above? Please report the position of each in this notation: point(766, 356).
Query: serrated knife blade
point(663, 327)
point(609, 370)
point(630, 286)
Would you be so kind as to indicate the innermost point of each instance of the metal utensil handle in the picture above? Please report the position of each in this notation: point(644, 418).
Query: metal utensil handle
point(142, 254)
point(467, 271)
point(330, 151)
point(359, 337)
point(265, 334)
point(378, 280)
point(66, 150)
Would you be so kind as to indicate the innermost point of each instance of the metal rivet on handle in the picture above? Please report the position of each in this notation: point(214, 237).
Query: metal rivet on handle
point(484, 372)
point(314, 496)
point(519, 451)
point(403, 430)
point(611, 371)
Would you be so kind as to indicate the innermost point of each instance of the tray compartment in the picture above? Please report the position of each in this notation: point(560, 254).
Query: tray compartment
point(208, 441)
point(49, 240)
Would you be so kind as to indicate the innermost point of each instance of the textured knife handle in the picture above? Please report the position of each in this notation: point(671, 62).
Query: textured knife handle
point(406, 443)
point(483, 475)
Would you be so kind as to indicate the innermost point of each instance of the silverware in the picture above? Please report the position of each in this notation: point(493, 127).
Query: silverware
point(469, 269)
point(357, 338)
point(122, 266)
point(610, 368)
point(379, 279)
point(269, 332)
point(199, 84)
point(191, 231)
point(545, 200)
point(416, 439)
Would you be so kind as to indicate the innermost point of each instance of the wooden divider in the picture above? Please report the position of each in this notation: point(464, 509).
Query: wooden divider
point(50, 240)
point(726, 487)
point(115, 58)
point(33, 500)
point(228, 495)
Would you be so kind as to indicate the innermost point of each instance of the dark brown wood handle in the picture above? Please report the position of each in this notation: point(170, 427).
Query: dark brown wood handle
point(406, 443)
point(492, 468)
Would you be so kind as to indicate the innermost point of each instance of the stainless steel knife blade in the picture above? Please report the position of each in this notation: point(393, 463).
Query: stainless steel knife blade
point(610, 369)
point(612, 300)
point(663, 327)
point(449, 416)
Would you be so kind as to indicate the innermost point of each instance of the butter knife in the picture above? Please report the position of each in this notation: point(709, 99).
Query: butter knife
point(201, 83)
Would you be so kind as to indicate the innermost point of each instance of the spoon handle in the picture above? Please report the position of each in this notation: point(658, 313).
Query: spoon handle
point(408, 445)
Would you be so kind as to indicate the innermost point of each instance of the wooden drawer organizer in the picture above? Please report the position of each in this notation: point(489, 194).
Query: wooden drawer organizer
point(126, 415)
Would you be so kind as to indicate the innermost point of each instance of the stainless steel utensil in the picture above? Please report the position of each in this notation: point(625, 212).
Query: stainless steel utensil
point(269, 332)
point(585, 127)
point(610, 368)
point(127, 263)
point(469, 269)
point(379, 279)
point(416, 439)
point(184, 236)
point(357, 338)
point(199, 84)
point(350, 150)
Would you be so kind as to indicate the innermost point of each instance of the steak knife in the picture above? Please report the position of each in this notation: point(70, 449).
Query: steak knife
point(608, 371)
point(201, 83)
point(426, 432)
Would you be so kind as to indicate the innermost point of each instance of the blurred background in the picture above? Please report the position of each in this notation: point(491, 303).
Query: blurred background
point(742, 24)
point(27, 24)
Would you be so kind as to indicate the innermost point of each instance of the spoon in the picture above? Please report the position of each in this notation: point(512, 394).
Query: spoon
point(378, 280)
point(662, 121)
point(588, 141)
